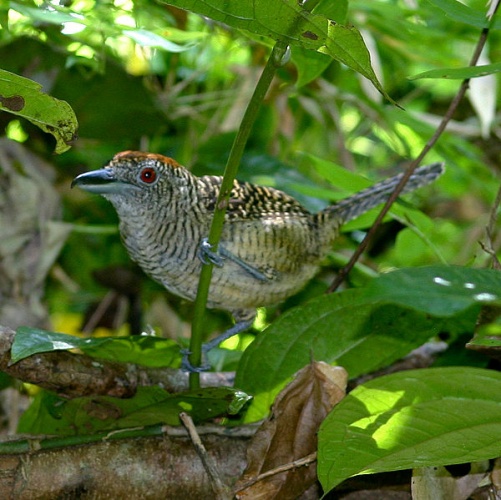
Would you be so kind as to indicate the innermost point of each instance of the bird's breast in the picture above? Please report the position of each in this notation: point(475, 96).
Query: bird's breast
point(284, 253)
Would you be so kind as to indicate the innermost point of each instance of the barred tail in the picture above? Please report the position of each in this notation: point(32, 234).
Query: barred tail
point(361, 202)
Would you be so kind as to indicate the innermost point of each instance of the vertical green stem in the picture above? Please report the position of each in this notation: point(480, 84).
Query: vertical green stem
point(274, 61)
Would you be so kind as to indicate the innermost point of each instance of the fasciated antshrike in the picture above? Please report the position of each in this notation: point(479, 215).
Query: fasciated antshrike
point(271, 246)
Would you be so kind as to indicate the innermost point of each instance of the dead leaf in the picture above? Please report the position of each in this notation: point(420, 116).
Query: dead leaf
point(438, 482)
point(32, 235)
point(290, 433)
point(482, 96)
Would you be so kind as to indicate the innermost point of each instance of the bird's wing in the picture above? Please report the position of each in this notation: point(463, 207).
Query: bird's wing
point(267, 232)
point(250, 201)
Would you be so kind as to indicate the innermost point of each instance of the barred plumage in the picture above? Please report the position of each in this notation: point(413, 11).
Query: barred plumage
point(271, 245)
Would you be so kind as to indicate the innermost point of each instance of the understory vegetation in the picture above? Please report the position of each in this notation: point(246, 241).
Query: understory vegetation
point(358, 91)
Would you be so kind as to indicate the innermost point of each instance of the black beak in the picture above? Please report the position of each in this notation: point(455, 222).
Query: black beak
point(98, 181)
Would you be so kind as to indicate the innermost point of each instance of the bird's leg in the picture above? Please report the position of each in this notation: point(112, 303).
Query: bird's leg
point(206, 255)
point(238, 327)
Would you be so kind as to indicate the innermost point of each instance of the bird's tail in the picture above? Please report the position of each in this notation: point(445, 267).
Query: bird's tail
point(361, 202)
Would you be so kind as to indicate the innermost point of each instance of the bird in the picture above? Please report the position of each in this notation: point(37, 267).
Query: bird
point(270, 246)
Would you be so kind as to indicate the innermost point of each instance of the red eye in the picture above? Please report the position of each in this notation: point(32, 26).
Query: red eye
point(148, 175)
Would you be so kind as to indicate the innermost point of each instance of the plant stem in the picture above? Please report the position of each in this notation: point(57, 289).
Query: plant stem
point(237, 150)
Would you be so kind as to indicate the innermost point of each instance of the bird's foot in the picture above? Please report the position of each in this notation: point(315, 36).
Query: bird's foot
point(208, 256)
point(236, 328)
point(186, 365)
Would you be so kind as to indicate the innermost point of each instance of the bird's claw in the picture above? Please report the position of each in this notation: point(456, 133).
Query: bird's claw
point(238, 327)
point(207, 256)
point(186, 366)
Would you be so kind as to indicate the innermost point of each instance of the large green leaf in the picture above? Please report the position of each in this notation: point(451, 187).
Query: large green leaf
point(347, 329)
point(23, 97)
point(288, 21)
point(412, 419)
point(438, 290)
point(50, 414)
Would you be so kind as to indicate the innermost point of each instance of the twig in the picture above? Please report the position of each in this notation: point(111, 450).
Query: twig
point(488, 247)
point(414, 164)
point(221, 491)
point(301, 462)
point(99, 312)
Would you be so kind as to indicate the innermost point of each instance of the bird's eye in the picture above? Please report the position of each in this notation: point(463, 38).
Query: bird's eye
point(148, 175)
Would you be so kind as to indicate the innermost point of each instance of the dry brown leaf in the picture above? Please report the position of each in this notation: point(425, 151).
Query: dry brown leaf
point(290, 433)
point(32, 234)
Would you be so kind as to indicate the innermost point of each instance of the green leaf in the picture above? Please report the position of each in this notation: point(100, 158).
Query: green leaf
point(287, 21)
point(488, 336)
point(417, 418)
point(338, 176)
point(23, 97)
point(29, 341)
point(458, 11)
point(438, 290)
point(202, 404)
point(310, 65)
point(46, 15)
point(142, 350)
point(50, 414)
point(347, 329)
point(459, 73)
point(147, 38)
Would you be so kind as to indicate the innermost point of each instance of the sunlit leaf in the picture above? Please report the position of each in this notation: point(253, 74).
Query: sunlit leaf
point(346, 329)
point(482, 95)
point(49, 15)
point(410, 419)
point(286, 20)
point(149, 39)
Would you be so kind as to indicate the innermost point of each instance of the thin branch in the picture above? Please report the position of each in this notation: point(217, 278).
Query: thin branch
point(301, 462)
point(221, 491)
point(414, 164)
point(490, 229)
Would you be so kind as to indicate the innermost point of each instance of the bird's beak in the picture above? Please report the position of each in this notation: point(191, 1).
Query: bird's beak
point(101, 181)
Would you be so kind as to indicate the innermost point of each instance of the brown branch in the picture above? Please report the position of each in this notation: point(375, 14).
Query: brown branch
point(414, 164)
point(151, 467)
point(73, 375)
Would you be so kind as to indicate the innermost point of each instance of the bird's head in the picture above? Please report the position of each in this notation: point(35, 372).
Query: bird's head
point(134, 178)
